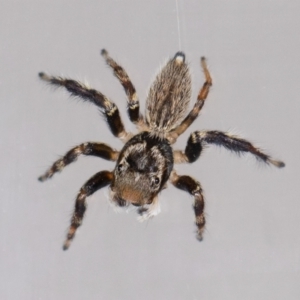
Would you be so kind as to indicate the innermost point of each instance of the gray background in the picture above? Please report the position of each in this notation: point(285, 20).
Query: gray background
point(251, 245)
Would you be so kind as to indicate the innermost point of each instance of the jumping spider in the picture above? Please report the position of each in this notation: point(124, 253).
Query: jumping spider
point(145, 163)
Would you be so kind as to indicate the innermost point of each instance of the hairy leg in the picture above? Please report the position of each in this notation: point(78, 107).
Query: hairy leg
point(133, 107)
point(108, 108)
point(199, 139)
point(98, 181)
point(193, 187)
point(94, 149)
point(191, 117)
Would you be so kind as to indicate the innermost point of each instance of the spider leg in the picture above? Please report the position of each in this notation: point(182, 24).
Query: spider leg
point(199, 139)
point(98, 181)
point(133, 105)
point(191, 117)
point(193, 187)
point(109, 109)
point(94, 149)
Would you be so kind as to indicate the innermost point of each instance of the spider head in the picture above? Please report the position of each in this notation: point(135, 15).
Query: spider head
point(143, 167)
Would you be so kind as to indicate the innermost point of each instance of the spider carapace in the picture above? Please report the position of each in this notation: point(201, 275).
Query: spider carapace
point(145, 164)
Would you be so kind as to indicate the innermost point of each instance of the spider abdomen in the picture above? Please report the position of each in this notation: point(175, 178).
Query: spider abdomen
point(169, 96)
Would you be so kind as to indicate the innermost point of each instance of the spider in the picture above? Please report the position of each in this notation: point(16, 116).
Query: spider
point(145, 163)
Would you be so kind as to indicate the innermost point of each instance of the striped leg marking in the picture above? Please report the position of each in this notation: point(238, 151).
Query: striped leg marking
point(193, 187)
point(133, 107)
point(191, 117)
point(233, 143)
point(98, 181)
point(94, 149)
point(108, 108)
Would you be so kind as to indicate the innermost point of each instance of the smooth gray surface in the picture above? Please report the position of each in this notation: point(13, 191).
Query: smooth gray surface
point(251, 245)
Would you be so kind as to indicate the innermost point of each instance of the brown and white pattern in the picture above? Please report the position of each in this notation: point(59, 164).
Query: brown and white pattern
point(145, 164)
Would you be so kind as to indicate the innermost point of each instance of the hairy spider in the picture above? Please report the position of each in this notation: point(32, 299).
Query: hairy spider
point(145, 163)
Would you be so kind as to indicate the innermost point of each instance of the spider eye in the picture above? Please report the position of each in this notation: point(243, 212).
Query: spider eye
point(120, 167)
point(156, 180)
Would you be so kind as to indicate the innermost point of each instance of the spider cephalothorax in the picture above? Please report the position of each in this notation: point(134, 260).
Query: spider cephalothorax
point(145, 164)
point(143, 167)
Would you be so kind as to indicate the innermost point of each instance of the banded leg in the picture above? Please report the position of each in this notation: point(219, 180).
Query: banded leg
point(198, 139)
point(78, 89)
point(98, 181)
point(133, 101)
point(191, 117)
point(193, 187)
point(94, 149)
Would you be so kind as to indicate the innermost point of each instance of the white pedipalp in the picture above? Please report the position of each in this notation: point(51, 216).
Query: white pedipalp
point(151, 211)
